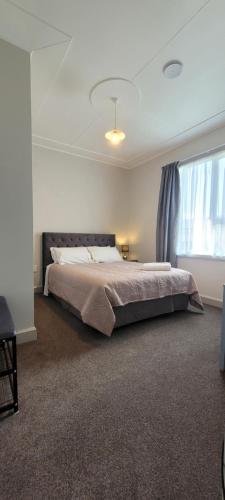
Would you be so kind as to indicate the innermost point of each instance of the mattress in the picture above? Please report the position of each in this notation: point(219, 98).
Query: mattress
point(103, 292)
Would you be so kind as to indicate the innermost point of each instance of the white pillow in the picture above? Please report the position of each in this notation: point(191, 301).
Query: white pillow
point(105, 254)
point(70, 255)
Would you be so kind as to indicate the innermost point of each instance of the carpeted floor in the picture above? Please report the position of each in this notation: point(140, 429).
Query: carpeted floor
point(139, 416)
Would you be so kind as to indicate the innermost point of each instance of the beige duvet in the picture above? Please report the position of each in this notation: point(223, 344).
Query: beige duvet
point(94, 289)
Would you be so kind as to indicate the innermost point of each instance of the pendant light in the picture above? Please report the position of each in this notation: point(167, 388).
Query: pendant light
point(115, 136)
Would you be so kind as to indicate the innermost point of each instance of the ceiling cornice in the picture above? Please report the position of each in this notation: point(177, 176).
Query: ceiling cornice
point(163, 149)
point(61, 147)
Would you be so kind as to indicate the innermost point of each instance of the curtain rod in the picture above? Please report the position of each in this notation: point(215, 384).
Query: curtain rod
point(202, 155)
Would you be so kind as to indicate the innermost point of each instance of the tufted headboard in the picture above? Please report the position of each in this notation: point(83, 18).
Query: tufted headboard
point(72, 240)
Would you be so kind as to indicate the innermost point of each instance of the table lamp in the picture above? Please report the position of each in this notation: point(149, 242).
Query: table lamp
point(125, 251)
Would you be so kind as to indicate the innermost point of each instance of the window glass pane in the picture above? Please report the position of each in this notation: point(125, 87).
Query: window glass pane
point(221, 189)
point(201, 226)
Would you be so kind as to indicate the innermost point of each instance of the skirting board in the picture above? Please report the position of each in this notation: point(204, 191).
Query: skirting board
point(38, 289)
point(212, 301)
point(27, 335)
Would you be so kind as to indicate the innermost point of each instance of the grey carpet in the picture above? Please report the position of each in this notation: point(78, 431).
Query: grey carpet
point(138, 416)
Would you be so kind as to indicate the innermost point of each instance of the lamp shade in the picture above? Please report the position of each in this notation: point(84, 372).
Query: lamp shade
point(125, 248)
point(115, 136)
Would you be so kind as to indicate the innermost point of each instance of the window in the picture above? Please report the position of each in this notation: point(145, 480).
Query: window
point(201, 224)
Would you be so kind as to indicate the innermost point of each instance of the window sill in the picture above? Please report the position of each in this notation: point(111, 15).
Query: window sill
point(202, 257)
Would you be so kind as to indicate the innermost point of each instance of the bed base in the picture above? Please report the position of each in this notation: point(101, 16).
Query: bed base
point(138, 311)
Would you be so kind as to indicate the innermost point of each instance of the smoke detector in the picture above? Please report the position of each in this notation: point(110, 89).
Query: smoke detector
point(172, 69)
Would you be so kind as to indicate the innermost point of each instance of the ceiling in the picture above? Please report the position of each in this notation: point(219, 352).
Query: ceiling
point(77, 43)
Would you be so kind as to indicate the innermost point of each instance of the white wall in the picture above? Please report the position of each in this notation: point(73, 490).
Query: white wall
point(144, 193)
point(16, 250)
point(72, 194)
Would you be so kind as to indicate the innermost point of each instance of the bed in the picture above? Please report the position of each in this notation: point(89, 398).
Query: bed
point(109, 295)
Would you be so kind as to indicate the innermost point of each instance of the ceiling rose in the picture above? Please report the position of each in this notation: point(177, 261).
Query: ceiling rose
point(114, 90)
point(125, 90)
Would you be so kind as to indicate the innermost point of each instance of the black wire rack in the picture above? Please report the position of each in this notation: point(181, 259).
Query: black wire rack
point(8, 376)
point(8, 361)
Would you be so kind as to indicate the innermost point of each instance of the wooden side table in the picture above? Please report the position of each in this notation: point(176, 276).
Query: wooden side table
point(8, 360)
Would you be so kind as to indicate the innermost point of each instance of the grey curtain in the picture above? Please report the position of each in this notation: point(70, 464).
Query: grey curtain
point(167, 214)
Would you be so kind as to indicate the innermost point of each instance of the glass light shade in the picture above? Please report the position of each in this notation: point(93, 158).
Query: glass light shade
point(115, 136)
point(125, 248)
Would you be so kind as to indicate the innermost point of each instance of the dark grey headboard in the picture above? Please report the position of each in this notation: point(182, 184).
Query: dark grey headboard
point(72, 240)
